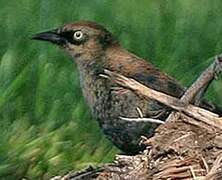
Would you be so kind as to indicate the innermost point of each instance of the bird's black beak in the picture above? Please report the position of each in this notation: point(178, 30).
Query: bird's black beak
point(51, 36)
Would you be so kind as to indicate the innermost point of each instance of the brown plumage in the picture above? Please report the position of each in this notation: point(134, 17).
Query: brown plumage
point(94, 49)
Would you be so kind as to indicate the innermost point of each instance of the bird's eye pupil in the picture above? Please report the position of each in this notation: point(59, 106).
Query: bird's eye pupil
point(78, 35)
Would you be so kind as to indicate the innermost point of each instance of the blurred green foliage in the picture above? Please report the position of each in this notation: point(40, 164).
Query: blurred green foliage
point(45, 126)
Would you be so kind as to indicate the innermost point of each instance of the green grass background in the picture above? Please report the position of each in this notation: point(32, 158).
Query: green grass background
point(45, 126)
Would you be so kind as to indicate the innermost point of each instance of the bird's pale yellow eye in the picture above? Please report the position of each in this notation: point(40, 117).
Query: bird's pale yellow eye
point(78, 35)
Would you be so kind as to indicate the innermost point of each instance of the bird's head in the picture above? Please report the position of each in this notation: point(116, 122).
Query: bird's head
point(82, 40)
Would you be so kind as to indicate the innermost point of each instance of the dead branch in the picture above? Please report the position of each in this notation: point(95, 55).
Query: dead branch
point(196, 91)
point(216, 170)
point(200, 85)
point(149, 120)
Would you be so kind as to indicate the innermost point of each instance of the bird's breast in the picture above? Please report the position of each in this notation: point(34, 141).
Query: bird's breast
point(95, 91)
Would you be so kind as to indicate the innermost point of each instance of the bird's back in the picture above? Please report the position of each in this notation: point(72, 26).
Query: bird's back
point(129, 65)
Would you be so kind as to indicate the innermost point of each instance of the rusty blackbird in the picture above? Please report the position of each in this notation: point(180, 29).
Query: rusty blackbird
point(93, 49)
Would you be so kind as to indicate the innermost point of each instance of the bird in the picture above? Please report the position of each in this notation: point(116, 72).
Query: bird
point(93, 48)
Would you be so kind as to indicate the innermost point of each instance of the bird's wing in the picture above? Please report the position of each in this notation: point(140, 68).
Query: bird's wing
point(159, 81)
